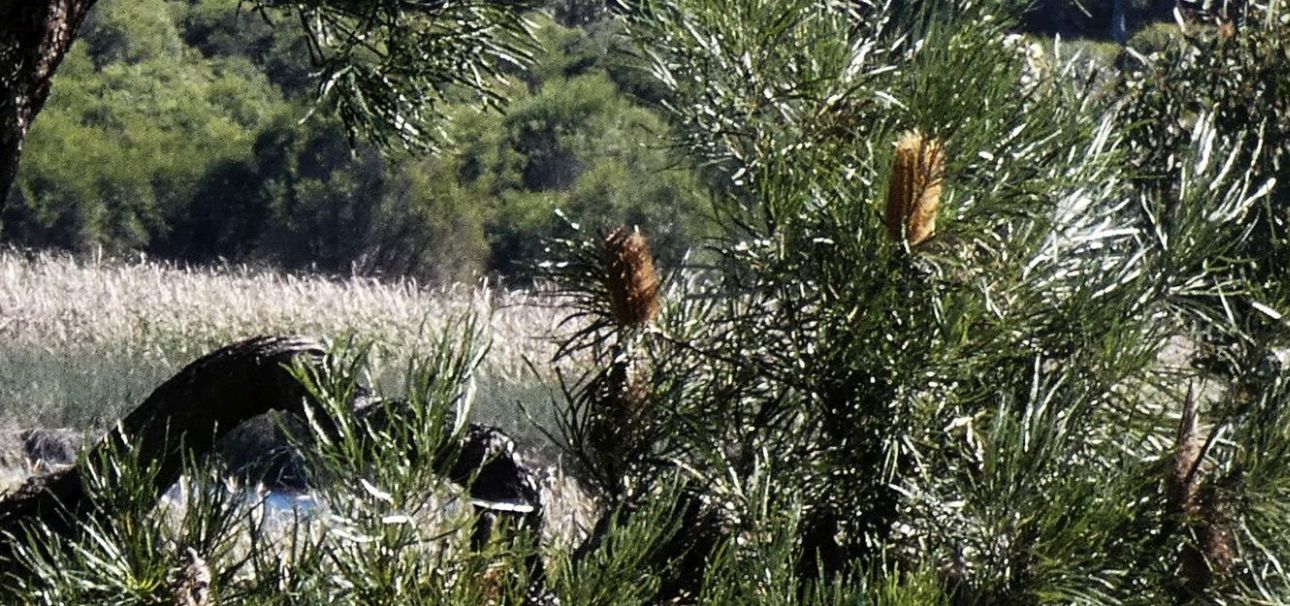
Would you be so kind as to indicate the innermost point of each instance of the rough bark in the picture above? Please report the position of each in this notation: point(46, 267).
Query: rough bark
point(34, 37)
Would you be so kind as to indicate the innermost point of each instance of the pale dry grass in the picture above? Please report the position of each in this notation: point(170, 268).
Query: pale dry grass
point(82, 339)
point(55, 301)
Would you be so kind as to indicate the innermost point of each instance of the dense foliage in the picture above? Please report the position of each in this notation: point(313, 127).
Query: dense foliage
point(1071, 393)
point(176, 129)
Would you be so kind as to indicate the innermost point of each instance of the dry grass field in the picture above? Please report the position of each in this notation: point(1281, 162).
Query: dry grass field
point(82, 339)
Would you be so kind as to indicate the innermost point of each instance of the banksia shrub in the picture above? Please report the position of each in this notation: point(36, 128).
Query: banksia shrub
point(611, 283)
point(914, 188)
point(631, 281)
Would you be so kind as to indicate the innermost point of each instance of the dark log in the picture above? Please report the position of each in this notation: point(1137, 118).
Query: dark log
point(503, 490)
point(501, 486)
point(187, 414)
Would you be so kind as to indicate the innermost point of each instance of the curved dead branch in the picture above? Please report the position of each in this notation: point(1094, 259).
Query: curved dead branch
point(186, 415)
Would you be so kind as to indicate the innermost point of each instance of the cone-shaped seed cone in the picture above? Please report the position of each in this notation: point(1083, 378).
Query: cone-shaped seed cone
point(633, 403)
point(623, 396)
point(914, 188)
point(632, 282)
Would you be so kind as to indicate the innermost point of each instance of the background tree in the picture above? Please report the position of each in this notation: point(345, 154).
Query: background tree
point(33, 40)
point(176, 130)
point(382, 66)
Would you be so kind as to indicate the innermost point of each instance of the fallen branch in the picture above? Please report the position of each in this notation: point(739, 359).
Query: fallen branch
point(186, 415)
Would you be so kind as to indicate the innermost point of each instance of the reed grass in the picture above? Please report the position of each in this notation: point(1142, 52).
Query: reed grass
point(84, 339)
point(81, 341)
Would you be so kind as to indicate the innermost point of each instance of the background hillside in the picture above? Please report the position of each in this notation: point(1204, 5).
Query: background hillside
point(183, 129)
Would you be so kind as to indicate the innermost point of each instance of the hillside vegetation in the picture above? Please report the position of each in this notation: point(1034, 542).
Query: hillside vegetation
point(185, 130)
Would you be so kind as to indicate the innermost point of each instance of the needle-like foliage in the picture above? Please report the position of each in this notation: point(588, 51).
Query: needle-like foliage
point(384, 66)
point(980, 330)
point(995, 399)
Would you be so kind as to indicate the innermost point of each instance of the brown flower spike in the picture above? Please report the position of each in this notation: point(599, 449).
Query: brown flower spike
point(914, 188)
point(631, 280)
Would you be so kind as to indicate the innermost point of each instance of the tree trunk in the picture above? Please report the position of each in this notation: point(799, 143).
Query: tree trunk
point(34, 36)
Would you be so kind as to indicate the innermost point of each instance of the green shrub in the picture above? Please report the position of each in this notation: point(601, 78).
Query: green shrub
point(1069, 393)
point(995, 404)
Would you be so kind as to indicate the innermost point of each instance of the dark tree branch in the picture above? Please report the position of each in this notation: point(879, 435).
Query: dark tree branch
point(187, 414)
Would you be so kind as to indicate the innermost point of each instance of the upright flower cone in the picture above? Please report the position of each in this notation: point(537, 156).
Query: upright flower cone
point(632, 283)
point(914, 188)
